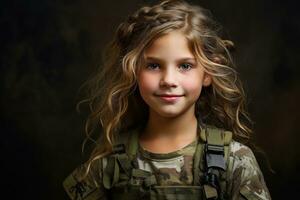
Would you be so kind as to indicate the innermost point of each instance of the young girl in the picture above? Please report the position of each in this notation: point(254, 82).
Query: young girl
point(172, 110)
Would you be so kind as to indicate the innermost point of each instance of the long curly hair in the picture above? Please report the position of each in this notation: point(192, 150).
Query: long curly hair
point(113, 96)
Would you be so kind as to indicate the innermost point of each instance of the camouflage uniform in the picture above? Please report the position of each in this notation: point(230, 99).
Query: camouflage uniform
point(244, 179)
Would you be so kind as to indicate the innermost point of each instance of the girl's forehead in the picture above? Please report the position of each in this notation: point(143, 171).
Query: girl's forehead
point(170, 45)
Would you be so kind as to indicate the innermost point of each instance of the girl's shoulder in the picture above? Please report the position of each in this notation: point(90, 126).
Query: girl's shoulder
point(241, 155)
point(82, 185)
point(244, 174)
point(238, 149)
point(86, 181)
point(242, 160)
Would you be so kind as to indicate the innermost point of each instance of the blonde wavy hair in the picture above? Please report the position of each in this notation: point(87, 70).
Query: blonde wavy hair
point(113, 96)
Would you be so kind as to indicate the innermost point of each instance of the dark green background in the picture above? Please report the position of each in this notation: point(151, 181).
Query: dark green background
point(50, 47)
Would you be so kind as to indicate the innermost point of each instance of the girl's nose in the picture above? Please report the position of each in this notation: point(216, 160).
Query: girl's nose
point(168, 78)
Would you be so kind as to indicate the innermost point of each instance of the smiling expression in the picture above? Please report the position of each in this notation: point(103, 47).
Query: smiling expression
point(170, 80)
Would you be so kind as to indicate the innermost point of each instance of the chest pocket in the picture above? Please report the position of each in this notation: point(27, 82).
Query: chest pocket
point(140, 184)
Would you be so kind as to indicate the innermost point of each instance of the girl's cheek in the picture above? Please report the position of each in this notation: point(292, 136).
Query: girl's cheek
point(146, 82)
point(192, 84)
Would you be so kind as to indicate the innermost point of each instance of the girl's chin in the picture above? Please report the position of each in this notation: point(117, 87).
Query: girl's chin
point(168, 113)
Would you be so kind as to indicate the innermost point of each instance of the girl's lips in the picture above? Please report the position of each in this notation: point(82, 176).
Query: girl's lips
point(169, 98)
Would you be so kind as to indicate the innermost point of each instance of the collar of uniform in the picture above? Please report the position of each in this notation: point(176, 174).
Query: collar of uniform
point(187, 150)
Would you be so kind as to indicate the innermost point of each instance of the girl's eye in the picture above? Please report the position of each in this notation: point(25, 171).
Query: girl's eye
point(152, 66)
point(185, 66)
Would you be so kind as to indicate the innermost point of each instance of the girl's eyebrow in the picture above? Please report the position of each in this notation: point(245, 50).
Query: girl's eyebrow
point(184, 59)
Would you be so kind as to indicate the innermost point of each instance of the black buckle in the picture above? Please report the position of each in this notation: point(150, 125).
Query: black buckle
point(215, 156)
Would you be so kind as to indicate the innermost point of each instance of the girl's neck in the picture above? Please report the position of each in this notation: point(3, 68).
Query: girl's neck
point(169, 134)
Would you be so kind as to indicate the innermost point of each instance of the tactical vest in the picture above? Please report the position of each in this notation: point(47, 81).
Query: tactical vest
point(123, 179)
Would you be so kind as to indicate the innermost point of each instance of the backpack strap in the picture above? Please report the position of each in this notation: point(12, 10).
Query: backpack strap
point(216, 154)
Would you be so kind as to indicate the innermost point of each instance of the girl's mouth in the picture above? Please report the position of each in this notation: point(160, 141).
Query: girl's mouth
point(169, 97)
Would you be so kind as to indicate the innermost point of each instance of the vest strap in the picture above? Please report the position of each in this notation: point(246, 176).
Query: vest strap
point(125, 163)
point(216, 157)
point(197, 172)
point(133, 144)
point(111, 173)
point(217, 142)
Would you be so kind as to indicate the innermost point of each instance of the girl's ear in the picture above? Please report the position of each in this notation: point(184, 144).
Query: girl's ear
point(207, 79)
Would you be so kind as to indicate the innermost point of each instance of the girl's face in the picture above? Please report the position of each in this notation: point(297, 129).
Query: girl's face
point(171, 80)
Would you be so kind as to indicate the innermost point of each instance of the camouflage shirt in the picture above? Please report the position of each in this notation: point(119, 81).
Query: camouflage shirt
point(245, 180)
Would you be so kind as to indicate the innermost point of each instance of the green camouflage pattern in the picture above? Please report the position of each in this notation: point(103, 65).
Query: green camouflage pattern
point(174, 168)
point(245, 180)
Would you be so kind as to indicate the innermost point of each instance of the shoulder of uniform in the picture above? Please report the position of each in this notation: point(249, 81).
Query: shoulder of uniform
point(78, 185)
point(243, 158)
point(246, 174)
point(240, 150)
